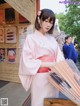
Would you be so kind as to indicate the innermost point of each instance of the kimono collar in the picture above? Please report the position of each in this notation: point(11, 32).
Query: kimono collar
point(46, 40)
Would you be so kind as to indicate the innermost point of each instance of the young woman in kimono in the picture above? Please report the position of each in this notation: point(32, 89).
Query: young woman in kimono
point(40, 51)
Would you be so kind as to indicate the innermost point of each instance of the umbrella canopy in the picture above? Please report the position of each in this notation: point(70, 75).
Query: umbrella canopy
point(65, 76)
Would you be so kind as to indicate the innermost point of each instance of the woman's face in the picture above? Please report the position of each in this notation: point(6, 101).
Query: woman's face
point(45, 25)
point(69, 40)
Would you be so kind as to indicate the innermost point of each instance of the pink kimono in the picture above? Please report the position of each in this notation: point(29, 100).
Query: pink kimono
point(36, 47)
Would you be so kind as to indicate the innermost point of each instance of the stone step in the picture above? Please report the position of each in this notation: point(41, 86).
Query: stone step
point(15, 93)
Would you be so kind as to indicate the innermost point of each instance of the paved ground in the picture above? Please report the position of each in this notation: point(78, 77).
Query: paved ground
point(15, 93)
point(3, 83)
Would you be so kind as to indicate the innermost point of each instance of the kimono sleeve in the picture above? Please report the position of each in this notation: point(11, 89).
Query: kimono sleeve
point(59, 54)
point(28, 64)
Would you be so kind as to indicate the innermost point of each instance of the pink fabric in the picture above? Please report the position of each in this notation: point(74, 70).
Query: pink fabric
point(46, 58)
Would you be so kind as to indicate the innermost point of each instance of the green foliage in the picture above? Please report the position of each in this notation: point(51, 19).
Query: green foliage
point(70, 22)
point(61, 18)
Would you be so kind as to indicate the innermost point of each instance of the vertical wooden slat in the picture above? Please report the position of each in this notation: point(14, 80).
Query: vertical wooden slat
point(37, 6)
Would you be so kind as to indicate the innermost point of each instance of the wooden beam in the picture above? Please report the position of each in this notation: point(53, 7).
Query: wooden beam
point(26, 8)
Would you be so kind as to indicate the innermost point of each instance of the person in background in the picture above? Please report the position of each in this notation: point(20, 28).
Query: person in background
point(69, 50)
point(75, 44)
point(40, 52)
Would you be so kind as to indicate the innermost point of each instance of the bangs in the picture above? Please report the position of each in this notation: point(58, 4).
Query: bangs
point(47, 14)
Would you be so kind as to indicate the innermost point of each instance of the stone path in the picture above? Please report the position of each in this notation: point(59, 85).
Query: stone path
point(15, 94)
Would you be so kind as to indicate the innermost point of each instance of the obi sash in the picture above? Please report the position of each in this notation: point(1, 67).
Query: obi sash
point(47, 58)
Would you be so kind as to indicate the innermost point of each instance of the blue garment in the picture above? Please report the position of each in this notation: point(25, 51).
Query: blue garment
point(70, 52)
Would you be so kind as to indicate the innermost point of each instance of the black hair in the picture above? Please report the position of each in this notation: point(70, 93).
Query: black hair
point(67, 38)
point(75, 41)
point(45, 14)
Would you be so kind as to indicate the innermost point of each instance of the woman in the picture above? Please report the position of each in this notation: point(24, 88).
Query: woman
point(69, 50)
point(40, 51)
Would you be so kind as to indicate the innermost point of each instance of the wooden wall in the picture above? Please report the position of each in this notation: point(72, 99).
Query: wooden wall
point(9, 71)
point(27, 8)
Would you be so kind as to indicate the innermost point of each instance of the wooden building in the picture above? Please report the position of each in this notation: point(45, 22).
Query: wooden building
point(16, 21)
